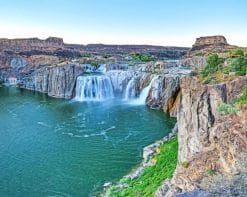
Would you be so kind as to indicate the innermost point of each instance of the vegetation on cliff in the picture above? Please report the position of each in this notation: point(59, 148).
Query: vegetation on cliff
point(152, 177)
point(142, 57)
point(229, 108)
point(218, 69)
point(243, 98)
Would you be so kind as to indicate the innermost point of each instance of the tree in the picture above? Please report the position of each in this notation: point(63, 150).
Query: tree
point(237, 53)
point(239, 66)
point(214, 63)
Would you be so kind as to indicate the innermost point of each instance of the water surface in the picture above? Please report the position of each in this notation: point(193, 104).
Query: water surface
point(56, 147)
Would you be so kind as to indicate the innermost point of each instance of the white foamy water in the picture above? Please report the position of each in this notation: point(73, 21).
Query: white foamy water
point(94, 88)
point(141, 100)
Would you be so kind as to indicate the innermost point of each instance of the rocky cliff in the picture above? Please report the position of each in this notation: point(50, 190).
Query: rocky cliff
point(57, 81)
point(20, 45)
point(213, 147)
point(209, 44)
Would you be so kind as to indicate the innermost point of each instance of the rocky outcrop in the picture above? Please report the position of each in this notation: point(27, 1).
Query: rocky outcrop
point(165, 91)
point(19, 45)
point(214, 147)
point(194, 62)
point(57, 81)
point(209, 44)
point(210, 40)
point(198, 112)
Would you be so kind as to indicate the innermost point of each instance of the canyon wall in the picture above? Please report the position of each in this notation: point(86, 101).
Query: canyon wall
point(209, 142)
point(57, 81)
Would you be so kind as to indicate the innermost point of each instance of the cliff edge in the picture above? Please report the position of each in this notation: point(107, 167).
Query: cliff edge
point(212, 148)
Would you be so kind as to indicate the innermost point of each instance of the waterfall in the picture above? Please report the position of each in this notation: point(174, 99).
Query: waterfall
point(141, 100)
point(130, 91)
point(120, 79)
point(93, 88)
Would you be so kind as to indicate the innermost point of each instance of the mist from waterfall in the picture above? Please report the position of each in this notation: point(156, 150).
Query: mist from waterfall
point(94, 88)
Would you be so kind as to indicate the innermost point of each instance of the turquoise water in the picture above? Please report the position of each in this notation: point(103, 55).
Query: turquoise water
point(55, 147)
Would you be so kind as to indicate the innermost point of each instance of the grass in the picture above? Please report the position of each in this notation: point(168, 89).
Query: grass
point(152, 177)
point(142, 57)
point(243, 99)
point(217, 69)
point(211, 172)
point(225, 108)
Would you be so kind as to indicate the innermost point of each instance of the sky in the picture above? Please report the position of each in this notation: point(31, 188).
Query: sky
point(156, 22)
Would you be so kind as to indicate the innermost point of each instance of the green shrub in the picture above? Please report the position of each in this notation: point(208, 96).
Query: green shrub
point(225, 109)
point(142, 57)
point(214, 71)
point(243, 99)
point(94, 64)
point(214, 63)
point(85, 55)
point(185, 164)
point(237, 53)
point(211, 172)
point(239, 66)
point(153, 176)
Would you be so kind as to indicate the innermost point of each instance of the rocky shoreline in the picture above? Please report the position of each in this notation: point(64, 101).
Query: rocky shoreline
point(148, 153)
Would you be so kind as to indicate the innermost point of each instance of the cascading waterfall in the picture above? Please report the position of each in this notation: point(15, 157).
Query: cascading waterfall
point(94, 88)
point(141, 100)
point(130, 91)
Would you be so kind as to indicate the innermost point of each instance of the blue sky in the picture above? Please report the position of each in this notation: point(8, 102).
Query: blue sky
point(158, 22)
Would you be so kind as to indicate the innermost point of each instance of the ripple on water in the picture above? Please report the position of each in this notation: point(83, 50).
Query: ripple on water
point(101, 133)
point(44, 124)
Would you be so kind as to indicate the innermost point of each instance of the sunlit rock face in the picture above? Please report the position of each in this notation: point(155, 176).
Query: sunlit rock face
point(198, 112)
point(57, 81)
point(209, 141)
point(164, 92)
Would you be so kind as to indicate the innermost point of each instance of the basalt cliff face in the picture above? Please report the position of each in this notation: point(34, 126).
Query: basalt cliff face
point(57, 81)
point(209, 142)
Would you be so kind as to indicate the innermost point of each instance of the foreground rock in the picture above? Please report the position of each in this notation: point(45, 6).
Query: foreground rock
point(213, 147)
